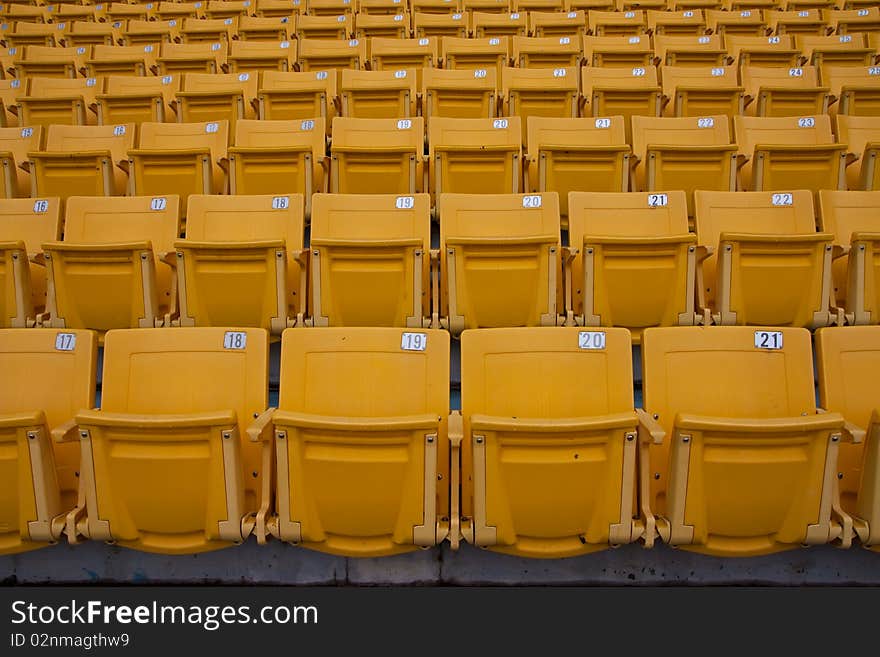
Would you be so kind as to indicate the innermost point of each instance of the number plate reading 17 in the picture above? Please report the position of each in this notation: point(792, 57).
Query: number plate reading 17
point(65, 341)
point(768, 339)
point(591, 340)
point(413, 341)
point(234, 340)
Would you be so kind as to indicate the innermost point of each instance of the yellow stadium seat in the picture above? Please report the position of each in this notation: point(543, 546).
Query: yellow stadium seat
point(111, 269)
point(475, 156)
point(576, 155)
point(797, 152)
point(179, 10)
point(624, 92)
point(196, 30)
point(15, 144)
point(835, 50)
point(51, 62)
point(212, 97)
point(88, 33)
point(122, 11)
point(854, 220)
point(360, 472)
point(546, 52)
point(324, 27)
point(137, 99)
point(688, 21)
point(624, 51)
point(763, 263)
point(331, 8)
point(780, 91)
point(702, 51)
point(443, 24)
point(279, 8)
point(803, 21)
point(499, 260)
point(683, 153)
point(58, 100)
point(39, 482)
point(297, 96)
point(702, 91)
point(475, 54)
point(192, 58)
point(490, 24)
point(381, 7)
point(862, 136)
point(169, 469)
point(239, 264)
point(382, 25)
point(747, 465)
point(846, 21)
point(179, 158)
point(270, 28)
point(370, 261)
point(557, 24)
point(616, 23)
point(459, 94)
point(846, 359)
point(10, 90)
point(525, 491)
point(139, 60)
point(151, 32)
point(378, 94)
point(377, 156)
point(26, 34)
point(261, 56)
point(324, 54)
point(856, 89)
point(80, 160)
point(25, 224)
point(279, 157)
point(227, 8)
point(540, 92)
point(632, 261)
point(397, 54)
point(762, 50)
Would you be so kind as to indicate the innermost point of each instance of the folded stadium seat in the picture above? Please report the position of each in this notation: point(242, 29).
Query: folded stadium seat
point(475, 156)
point(257, 28)
point(359, 472)
point(191, 58)
point(525, 491)
point(10, 90)
point(543, 92)
point(122, 11)
point(39, 482)
point(862, 136)
point(325, 54)
point(279, 8)
point(88, 33)
point(261, 56)
point(782, 153)
point(475, 54)
point(846, 360)
point(440, 25)
point(297, 96)
point(686, 22)
point(370, 261)
point(15, 144)
point(144, 32)
point(435, 6)
point(136, 99)
point(489, 24)
point(330, 8)
point(111, 270)
point(228, 8)
point(377, 156)
point(621, 91)
point(180, 10)
point(33, 34)
point(486, 6)
point(855, 90)
point(544, 24)
point(702, 51)
point(854, 220)
point(847, 21)
point(763, 263)
point(745, 22)
point(747, 465)
point(393, 26)
point(683, 153)
point(241, 263)
point(58, 100)
point(616, 23)
point(179, 158)
point(546, 52)
point(803, 21)
point(324, 27)
point(79, 160)
point(279, 157)
point(381, 7)
point(780, 91)
point(460, 94)
point(619, 51)
point(626, 241)
point(198, 30)
point(51, 62)
point(220, 96)
point(569, 155)
point(378, 94)
point(169, 469)
point(25, 224)
point(398, 54)
point(762, 51)
point(835, 50)
point(134, 60)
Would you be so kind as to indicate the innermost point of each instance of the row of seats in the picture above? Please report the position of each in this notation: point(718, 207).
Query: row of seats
point(754, 258)
point(730, 455)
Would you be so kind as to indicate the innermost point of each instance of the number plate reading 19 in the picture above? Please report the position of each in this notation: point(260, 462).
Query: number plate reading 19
point(591, 340)
point(413, 341)
point(65, 341)
point(234, 340)
point(768, 339)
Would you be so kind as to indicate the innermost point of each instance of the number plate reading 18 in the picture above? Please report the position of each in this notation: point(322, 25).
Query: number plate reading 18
point(65, 341)
point(413, 341)
point(234, 340)
point(768, 339)
point(591, 340)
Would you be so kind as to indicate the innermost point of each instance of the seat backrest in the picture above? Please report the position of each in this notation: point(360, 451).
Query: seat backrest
point(117, 139)
point(199, 50)
point(105, 53)
point(752, 131)
point(440, 24)
point(168, 136)
point(215, 218)
point(703, 77)
point(678, 131)
point(395, 53)
point(616, 22)
point(858, 131)
point(847, 360)
point(19, 142)
point(250, 133)
point(669, 43)
point(547, 23)
point(39, 87)
point(378, 133)
point(498, 215)
point(837, 77)
point(222, 83)
point(376, 94)
point(594, 46)
point(844, 213)
point(483, 80)
point(530, 51)
point(625, 214)
point(32, 221)
point(559, 133)
point(318, 54)
point(795, 77)
point(746, 21)
point(371, 217)
point(487, 24)
point(808, 43)
point(245, 50)
point(737, 43)
point(536, 79)
point(138, 85)
point(475, 53)
point(628, 78)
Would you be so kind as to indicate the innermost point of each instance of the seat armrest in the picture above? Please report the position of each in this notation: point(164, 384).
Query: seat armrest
point(260, 430)
point(65, 433)
point(650, 430)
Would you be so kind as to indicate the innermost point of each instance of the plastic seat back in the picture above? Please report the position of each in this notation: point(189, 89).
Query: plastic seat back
point(777, 91)
point(58, 101)
point(323, 54)
point(540, 92)
point(378, 94)
point(137, 99)
point(290, 96)
point(471, 54)
point(15, 144)
point(262, 56)
point(459, 94)
point(856, 89)
point(861, 134)
point(702, 91)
